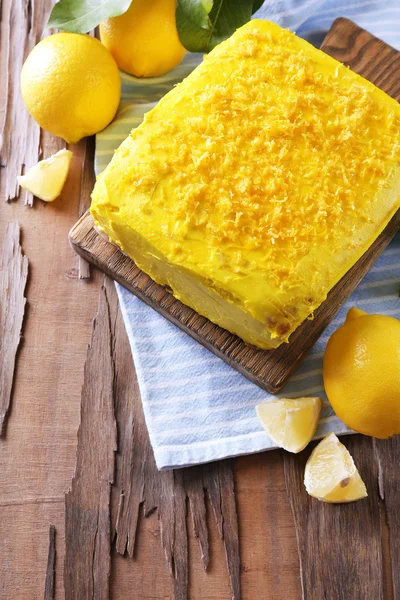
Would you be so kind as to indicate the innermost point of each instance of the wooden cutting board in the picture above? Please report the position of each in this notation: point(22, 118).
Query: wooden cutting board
point(270, 369)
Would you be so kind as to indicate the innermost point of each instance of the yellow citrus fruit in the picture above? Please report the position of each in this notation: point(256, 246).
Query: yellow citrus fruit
point(362, 373)
point(290, 423)
point(46, 179)
point(71, 86)
point(144, 40)
point(331, 474)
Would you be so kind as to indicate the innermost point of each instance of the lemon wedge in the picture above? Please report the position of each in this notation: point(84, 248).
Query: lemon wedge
point(46, 179)
point(290, 423)
point(331, 474)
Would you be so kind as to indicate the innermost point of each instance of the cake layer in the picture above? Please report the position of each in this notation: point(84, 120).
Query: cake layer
point(256, 183)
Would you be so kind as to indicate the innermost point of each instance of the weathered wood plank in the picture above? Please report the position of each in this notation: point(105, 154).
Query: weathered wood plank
point(87, 504)
point(365, 54)
point(339, 545)
point(180, 554)
point(138, 482)
point(24, 550)
point(387, 453)
point(220, 487)
point(13, 277)
point(37, 456)
point(133, 442)
point(22, 26)
point(50, 582)
point(268, 549)
point(194, 486)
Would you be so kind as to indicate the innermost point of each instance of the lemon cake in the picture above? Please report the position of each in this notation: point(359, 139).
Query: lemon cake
point(256, 183)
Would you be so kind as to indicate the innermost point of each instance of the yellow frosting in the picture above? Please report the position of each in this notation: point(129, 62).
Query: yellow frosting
point(256, 183)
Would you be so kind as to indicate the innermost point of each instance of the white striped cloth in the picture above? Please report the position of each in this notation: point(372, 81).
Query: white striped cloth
point(197, 408)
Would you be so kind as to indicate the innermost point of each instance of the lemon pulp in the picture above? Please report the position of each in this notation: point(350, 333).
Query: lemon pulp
point(331, 474)
point(46, 179)
point(291, 424)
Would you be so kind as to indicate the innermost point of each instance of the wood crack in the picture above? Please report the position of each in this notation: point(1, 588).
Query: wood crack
point(49, 587)
point(24, 501)
point(22, 24)
point(94, 557)
point(387, 453)
point(87, 504)
point(172, 493)
point(332, 538)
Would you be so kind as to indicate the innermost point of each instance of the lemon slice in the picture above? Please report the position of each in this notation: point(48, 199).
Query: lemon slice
point(290, 423)
point(46, 179)
point(331, 474)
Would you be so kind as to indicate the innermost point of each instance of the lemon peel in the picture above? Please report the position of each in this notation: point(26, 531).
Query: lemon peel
point(362, 373)
point(71, 85)
point(144, 40)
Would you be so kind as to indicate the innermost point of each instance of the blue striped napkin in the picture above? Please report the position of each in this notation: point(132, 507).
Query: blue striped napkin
point(197, 408)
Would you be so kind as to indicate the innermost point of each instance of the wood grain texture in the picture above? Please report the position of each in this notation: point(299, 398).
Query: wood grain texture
point(387, 453)
point(268, 549)
point(24, 530)
point(13, 277)
point(339, 545)
point(174, 494)
point(270, 369)
point(365, 54)
point(49, 586)
point(38, 454)
point(87, 504)
point(220, 487)
point(195, 493)
point(22, 24)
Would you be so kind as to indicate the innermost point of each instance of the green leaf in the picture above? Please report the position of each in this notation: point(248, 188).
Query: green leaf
point(208, 4)
point(224, 18)
point(81, 16)
point(197, 11)
point(256, 5)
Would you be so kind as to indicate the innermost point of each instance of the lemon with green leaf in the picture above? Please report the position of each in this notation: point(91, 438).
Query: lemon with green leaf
point(144, 40)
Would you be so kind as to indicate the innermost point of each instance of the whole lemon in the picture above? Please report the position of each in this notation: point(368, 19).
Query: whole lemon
point(362, 373)
point(144, 40)
point(71, 85)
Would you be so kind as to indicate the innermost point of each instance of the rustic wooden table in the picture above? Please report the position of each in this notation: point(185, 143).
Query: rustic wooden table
point(291, 546)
